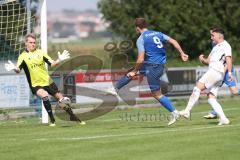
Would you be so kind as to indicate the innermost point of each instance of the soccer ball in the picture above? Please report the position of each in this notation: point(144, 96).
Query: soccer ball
point(65, 102)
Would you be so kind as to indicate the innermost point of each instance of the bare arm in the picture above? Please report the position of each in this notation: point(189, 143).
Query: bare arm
point(138, 65)
point(229, 67)
point(55, 63)
point(204, 60)
point(229, 63)
point(61, 57)
point(179, 48)
point(140, 59)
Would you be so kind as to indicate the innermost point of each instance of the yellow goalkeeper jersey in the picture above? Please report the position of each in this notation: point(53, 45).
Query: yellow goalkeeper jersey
point(33, 64)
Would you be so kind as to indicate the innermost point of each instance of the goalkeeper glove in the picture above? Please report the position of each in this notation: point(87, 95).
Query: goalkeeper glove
point(65, 55)
point(9, 66)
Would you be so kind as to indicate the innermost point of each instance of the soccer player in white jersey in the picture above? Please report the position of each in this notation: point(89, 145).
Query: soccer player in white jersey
point(219, 57)
point(232, 86)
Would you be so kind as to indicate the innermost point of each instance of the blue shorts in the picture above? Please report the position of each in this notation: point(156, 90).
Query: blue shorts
point(153, 72)
point(226, 79)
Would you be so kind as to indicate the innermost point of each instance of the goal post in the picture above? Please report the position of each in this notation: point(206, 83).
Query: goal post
point(43, 16)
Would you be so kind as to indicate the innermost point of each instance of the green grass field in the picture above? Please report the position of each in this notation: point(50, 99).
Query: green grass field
point(115, 136)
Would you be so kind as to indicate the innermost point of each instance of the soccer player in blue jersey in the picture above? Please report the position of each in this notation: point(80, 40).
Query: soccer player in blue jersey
point(231, 85)
point(150, 63)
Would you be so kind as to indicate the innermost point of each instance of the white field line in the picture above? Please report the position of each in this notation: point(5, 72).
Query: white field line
point(131, 134)
point(194, 113)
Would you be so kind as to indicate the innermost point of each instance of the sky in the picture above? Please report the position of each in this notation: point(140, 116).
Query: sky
point(78, 5)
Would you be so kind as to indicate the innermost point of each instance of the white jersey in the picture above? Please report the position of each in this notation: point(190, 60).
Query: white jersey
point(218, 56)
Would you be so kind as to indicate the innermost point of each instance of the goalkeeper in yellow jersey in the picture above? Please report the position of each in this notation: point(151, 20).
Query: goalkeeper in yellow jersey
point(32, 61)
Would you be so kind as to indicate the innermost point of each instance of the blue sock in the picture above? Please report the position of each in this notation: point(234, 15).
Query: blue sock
point(122, 82)
point(239, 92)
point(166, 103)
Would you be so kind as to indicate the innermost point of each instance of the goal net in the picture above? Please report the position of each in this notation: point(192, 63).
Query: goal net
point(17, 18)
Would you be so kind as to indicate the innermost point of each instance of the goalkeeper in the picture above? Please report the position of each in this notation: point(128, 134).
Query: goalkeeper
point(32, 61)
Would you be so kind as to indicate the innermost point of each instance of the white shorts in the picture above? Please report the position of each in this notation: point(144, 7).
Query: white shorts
point(213, 90)
point(212, 80)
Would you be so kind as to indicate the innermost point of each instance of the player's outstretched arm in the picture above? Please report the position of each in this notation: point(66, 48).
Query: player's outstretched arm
point(10, 66)
point(203, 60)
point(176, 45)
point(61, 57)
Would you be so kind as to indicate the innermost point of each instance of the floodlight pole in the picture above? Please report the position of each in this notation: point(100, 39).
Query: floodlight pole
point(43, 15)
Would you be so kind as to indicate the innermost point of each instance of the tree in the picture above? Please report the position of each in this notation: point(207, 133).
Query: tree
point(188, 21)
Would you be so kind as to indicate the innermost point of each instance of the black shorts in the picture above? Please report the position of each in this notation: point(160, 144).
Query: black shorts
point(52, 89)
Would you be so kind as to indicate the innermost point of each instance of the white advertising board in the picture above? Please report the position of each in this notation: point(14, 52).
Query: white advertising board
point(14, 91)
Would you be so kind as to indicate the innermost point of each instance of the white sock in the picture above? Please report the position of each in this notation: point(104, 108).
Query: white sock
point(217, 108)
point(193, 98)
point(174, 112)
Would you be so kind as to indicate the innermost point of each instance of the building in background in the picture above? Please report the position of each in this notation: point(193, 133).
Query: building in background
point(70, 25)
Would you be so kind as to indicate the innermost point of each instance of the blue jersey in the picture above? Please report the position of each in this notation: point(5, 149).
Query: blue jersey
point(151, 43)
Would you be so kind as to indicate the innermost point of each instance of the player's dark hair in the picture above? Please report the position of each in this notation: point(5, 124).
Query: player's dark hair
point(141, 23)
point(213, 27)
point(218, 30)
point(31, 35)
